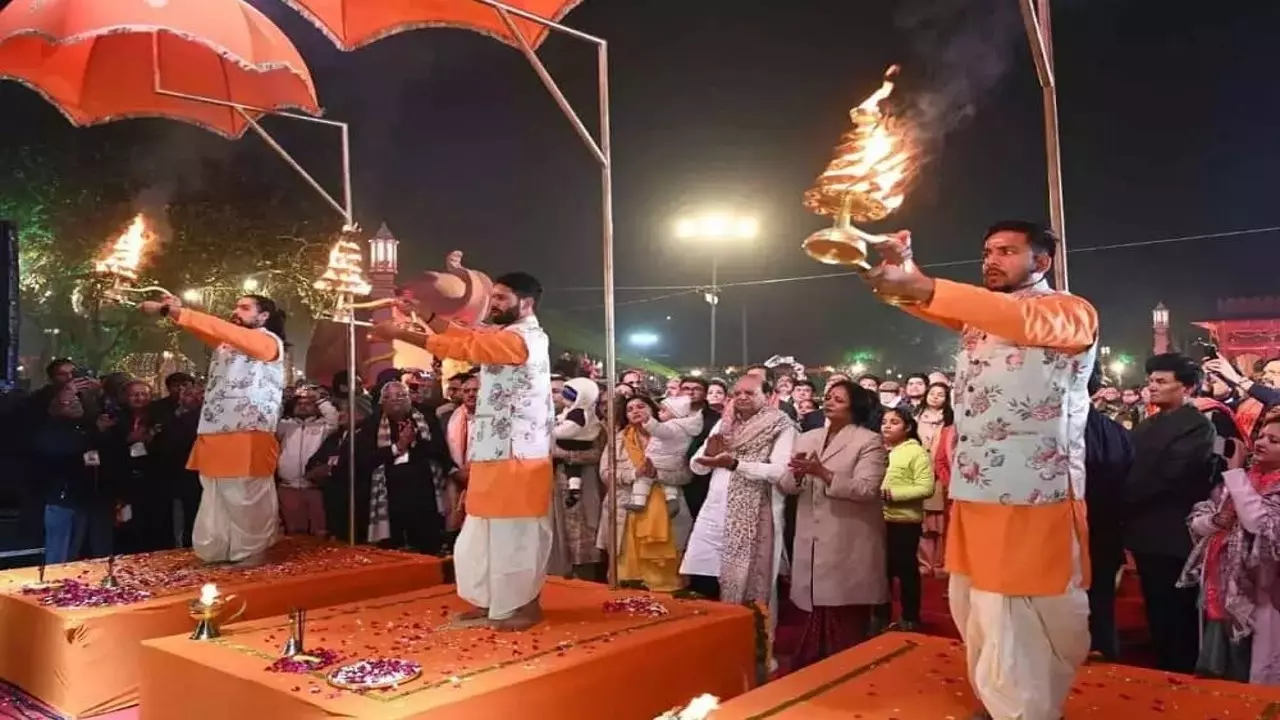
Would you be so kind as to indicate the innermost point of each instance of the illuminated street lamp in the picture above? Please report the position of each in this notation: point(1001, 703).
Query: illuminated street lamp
point(716, 228)
point(643, 339)
point(191, 296)
point(251, 284)
point(1117, 368)
point(52, 335)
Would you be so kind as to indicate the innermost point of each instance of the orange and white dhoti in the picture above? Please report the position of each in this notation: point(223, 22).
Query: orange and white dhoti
point(500, 557)
point(238, 518)
point(1017, 537)
point(236, 448)
point(501, 563)
point(1022, 652)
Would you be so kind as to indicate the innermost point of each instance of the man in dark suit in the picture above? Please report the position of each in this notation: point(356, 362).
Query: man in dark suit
point(1108, 458)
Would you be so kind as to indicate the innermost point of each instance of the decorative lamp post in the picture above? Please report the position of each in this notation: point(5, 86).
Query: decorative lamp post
point(383, 252)
point(1160, 329)
point(383, 266)
point(344, 277)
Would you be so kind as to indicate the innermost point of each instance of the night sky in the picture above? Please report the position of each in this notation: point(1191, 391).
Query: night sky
point(1168, 113)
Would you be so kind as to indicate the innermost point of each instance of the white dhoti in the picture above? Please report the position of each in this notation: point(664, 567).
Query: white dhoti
point(501, 563)
point(238, 518)
point(1022, 652)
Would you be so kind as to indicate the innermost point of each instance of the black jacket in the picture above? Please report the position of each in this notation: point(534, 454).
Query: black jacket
point(1173, 469)
point(1108, 460)
point(709, 419)
point(428, 457)
point(58, 449)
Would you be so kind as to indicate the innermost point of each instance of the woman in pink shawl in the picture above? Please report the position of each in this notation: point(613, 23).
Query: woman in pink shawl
point(1236, 561)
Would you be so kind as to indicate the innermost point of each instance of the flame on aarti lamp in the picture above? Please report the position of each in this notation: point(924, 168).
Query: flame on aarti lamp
point(127, 251)
point(872, 163)
point(345, 273)
point(208, 594)
point(700, 709)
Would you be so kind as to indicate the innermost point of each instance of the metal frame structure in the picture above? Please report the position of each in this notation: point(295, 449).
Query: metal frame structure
point(604, 156)
point(601, 151)
point(344, 208)
point(1036, 18)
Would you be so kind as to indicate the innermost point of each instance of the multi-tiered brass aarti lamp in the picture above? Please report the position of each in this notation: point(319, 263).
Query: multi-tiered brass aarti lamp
point(864, 182)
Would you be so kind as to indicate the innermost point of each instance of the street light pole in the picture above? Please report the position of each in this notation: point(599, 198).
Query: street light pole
point(716, 228)
point(713, 297)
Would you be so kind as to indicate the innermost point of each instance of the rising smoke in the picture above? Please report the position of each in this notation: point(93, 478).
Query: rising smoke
point(962, 49)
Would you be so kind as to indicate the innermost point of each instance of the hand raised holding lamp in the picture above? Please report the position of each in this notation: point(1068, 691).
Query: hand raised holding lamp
point(1017, 531)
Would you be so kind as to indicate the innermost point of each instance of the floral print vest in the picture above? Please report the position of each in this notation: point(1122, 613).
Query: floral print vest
point(243, 394)
point(514, 417)
point(1020, 419)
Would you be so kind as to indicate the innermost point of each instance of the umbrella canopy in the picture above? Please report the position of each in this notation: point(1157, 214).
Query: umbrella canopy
point(99, 61)
point(352, 24)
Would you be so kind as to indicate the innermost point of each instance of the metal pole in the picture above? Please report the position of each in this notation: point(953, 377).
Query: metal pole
point(346, 178)
point(351, 418)
point(714, 299)
point(550, 83)
point(604, 156)
point(1037, 21)
point(1053, 149)
point(610, 352)
point(271, 143)
point(344, 209)
point(538, 19)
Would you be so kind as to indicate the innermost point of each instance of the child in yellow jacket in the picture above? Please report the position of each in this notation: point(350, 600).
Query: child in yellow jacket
point(907, 483)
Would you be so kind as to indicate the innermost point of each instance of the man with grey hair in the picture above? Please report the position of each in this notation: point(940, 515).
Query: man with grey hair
point(735, 551)
point(404, 453)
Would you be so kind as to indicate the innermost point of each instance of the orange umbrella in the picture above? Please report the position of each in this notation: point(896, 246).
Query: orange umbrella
point(352, 24)
point(103, 60)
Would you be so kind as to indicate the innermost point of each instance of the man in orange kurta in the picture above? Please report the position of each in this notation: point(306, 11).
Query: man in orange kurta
point(502, 552)
point(1017, 542)
point(236, 448)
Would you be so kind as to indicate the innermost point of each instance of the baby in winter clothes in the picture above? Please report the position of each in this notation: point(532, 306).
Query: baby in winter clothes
point(577, 428)
point(668, 448)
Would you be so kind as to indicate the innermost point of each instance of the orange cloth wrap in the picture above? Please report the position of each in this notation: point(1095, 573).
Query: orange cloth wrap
point(1057, 321)
point(1020, 550)
point(86, 662)
point(902, 676)
point(235, 455)
point(562, 668)
point(216, 331)
point(514, 488)
point(487, 346)
point(238, 454)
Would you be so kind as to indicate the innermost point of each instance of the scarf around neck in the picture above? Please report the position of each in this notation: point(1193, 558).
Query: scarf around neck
point(1226, 580)
point(386, 438)
point(747, 562)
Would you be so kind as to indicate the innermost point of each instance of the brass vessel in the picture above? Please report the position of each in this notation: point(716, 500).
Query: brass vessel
point(863, 183)
point(208, 616)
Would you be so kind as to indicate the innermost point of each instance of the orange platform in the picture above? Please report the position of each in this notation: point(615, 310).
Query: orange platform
point(84, 662)
point(915, 677)
point(621, 666)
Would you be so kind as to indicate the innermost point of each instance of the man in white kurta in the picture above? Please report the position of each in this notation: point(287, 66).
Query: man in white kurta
point(500, 557)
point(236, 450)
point(706, 553)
